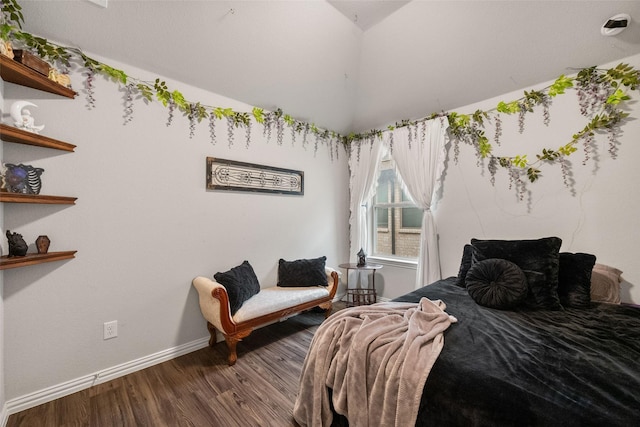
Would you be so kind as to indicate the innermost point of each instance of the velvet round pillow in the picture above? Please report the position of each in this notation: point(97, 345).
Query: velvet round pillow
point(496, 283)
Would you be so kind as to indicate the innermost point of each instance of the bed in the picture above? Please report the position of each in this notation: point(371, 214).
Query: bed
point(574, 364)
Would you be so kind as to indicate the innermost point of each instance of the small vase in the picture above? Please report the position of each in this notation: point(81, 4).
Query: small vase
point(42, 243)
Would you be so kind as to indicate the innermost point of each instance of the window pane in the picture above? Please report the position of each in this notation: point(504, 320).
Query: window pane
point(411, 218)
point(382, 193)
point(382, 215)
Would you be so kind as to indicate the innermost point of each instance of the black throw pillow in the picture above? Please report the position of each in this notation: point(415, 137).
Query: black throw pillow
point(302, 272)
point(241, 284)
point(465, 264)
point(496, 283)
point(574, 279)
point(538, 259)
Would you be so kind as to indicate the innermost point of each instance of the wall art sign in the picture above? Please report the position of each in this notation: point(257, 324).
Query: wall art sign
point(230, 175)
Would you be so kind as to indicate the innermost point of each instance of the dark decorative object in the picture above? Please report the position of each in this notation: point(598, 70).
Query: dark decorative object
point(24, 179)
point(302, 272)
point(574, 279)
point(241, 284)
point(465, 265)
point(17, 245)
point(30, 60)
point(362, 258)
point(497, 283)
point(42, 243)
point(538, 259)
point(239, 176)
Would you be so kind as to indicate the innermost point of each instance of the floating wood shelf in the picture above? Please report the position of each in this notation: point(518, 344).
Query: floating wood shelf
point(36, 198)
point(14, 72)
point(31, 259)
point(20, 136)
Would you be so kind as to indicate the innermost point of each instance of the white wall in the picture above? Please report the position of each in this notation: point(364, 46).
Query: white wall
point(144, 227)
point(602, 217)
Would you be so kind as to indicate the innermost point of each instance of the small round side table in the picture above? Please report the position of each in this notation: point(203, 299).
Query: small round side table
point(357, 295)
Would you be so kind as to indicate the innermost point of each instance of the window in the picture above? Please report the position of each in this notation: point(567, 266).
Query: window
point(396, 222)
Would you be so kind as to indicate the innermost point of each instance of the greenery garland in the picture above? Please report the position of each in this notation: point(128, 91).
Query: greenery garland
point(602, 95)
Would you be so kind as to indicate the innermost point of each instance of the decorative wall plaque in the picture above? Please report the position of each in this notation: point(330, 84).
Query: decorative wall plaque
point(239, 176)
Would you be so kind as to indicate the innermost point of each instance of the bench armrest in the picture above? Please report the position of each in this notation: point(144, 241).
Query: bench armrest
point(214, 304)
point(333, 280)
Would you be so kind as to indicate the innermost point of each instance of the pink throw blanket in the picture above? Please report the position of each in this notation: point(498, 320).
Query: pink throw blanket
point(376, 359)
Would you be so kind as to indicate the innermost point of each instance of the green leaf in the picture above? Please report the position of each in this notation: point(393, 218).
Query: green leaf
point(510, 108)
point(289, 120)
point(617, 97)
point(220, 112)
point(568, 149)
point(520, 161)
point(145, 91)
point(479, 116)
point(200, 112)
point(548, 155)
point(484, 147)
point(533, 174)
point(258, 114)
point(505, 162)
point(560, 85)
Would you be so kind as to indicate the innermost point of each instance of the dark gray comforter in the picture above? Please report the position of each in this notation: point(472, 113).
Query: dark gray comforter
point(577, 367)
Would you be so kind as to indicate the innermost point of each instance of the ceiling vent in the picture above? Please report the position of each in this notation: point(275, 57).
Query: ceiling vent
point(616, 24)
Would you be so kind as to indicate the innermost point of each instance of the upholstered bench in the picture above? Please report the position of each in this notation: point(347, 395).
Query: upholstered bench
point(268, 305)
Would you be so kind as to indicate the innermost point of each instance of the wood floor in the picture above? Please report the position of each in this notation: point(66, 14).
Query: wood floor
point(197, 389)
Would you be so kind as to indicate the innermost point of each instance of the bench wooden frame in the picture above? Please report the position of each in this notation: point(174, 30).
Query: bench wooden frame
point(234, 332)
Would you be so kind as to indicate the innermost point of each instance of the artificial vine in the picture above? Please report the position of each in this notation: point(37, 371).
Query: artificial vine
point(195, 112)
point(602, 95)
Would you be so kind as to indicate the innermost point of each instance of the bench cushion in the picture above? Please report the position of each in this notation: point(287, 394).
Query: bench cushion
point(270, 300)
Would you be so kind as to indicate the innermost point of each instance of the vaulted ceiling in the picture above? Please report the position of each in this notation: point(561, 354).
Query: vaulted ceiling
point(346, 66)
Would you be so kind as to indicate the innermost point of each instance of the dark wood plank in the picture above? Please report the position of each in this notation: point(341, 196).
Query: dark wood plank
point(197, 389)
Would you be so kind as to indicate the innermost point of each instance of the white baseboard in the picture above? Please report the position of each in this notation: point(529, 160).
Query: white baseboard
point(64, 389)
point(4, 417)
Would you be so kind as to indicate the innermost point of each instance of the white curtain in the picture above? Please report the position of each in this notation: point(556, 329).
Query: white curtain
point(362, 182)
point(419, 152)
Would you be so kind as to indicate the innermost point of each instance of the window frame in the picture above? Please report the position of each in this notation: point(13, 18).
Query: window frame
point(390, 207)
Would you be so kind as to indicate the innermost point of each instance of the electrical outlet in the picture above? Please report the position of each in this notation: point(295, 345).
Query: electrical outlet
point(110, 330)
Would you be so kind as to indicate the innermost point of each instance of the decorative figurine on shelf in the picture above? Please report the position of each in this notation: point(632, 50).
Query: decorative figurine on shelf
point(362, 258)
point(22, 118)
point(17, 245)
point(60, 78)
point(24, 179)
point(6, 49)
point(42, 244)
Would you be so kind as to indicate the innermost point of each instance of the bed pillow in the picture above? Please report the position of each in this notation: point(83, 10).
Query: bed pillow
point(465, 265)
point(496, 283)
point(302, 272)
point(605, 284)
point(574, 279)
point(538, 259)
point(241, 284)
